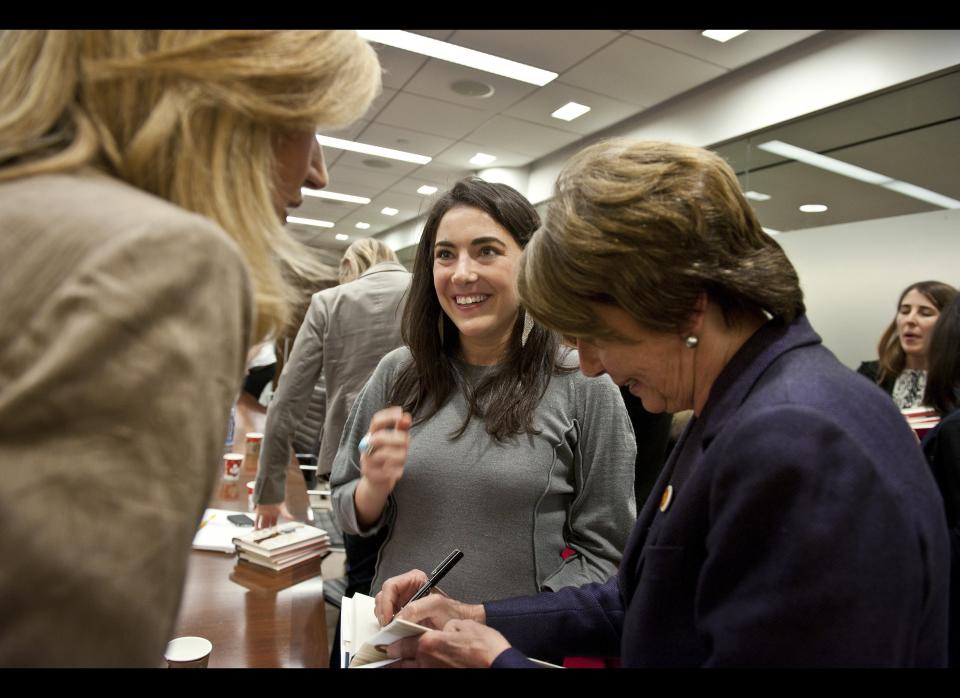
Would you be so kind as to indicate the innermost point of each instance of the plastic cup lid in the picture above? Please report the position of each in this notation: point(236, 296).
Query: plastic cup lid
point(187, 649)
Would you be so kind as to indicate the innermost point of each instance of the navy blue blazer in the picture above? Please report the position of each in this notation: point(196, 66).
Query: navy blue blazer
point(804, 529)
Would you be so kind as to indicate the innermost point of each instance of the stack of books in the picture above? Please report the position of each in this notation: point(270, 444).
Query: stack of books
point(921, 419)
point(284, 546)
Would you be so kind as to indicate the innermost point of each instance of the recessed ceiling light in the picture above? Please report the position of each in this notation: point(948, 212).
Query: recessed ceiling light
point(570, 111)
point(335, 196)
point(341, 236)
point(363, 226)
point(387, 211)
point(813, 208)
point(723, 35)
point(309, 221)
point(847, 170)
point(427, 190)
point(482, 159)
point(472, 88)
point(426, 46)
point(368, 149)
point(757, 196)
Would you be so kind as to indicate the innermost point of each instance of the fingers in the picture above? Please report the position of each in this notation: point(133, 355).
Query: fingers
point(395, 592)
point(390, 418)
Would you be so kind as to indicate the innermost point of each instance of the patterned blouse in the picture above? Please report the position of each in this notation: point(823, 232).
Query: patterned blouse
point(908, 390)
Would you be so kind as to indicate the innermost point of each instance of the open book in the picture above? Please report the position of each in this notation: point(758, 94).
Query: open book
point(363, 641)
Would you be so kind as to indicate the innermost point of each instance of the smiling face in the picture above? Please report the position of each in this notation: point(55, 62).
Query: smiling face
point(656, 366)
point(474, 275)
point(915, 320)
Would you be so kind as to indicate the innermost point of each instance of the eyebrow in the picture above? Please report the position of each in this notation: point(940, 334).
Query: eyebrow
point(473, 243)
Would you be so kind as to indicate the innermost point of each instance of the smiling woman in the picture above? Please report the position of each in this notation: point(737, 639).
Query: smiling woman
point(494, 444)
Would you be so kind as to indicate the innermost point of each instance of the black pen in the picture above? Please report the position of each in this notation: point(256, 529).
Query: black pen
point(437, 574)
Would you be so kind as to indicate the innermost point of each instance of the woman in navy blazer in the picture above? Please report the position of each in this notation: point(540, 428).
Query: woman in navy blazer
point(795, 523)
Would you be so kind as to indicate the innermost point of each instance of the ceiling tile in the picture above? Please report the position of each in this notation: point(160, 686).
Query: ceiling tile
point(504, 133)
point(459, 155)
point(436, 78)
point(604, 111)
point(636, 71)
point(737, 52)
point(549, 49)
point(398, 65)
point(347, 177)
point(404, 139)
point(379, 103)
point(431, 116)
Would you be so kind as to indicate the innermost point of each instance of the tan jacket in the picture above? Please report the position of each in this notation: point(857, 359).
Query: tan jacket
point(123, 325)
point(346, 332)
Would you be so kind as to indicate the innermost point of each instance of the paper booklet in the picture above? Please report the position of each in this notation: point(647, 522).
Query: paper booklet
point(216, 533)
point(363, 641)
point(362, 638)
point(281, 538)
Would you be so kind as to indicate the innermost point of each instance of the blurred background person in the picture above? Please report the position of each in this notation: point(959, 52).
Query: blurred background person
point(941, 445)
point(512, 456)
point(901, 369)
point(795, 522)
point(144, 177)
point(346, 332)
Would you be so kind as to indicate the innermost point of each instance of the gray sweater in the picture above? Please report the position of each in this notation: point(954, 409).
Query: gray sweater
point(510, 507)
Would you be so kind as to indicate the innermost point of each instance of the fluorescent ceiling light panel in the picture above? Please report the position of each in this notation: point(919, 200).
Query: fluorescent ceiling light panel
point(373, 150)
point(426, 46)
point(813, 208)
point(309, 221)
point(387, 211)
point(757, 196)
point(931, 197)
point(341, 236)
point(723, 35)
point(570, 111)
point(482, 159)
point(335, 196)
point(823, 162)
point(363, 226)
point(427, 190)
point(847, 170)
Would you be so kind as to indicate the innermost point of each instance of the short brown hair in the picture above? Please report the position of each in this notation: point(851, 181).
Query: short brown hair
point(649, 226)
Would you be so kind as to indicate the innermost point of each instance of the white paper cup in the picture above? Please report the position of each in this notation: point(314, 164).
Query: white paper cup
point(232, 463)
point(188, 653)
point(253, 441)
point(251, 486)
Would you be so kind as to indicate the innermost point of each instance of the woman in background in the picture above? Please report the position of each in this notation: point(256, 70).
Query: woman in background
point(512, 456)
point(941, 445)
point(901, 369)
point(144, 181)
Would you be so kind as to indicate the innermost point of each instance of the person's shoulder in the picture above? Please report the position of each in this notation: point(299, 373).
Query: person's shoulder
point(394, 360)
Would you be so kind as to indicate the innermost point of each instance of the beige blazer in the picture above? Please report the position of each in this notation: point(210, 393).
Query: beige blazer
point(124, 325)
point(346, 331)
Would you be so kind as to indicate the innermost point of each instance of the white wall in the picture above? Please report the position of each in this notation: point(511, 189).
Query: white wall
point(852, 274)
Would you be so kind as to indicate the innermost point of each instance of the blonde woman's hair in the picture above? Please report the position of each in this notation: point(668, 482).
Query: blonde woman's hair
point(189, 116)
point(363, 254)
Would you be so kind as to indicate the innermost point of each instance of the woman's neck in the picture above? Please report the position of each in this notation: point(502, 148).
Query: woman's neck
point(917, 362)
point(478, 351)
point(719, 345)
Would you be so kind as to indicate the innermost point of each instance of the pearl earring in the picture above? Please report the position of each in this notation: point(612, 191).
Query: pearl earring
point(692, 341)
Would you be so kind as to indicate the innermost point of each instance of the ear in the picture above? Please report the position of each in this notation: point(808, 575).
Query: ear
point(697, 317)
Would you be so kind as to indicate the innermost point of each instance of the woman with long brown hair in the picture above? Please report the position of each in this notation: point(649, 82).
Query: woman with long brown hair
point(494, 444)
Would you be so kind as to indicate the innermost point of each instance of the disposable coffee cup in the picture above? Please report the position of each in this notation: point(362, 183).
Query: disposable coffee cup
point(188, 653)
point(232, 462)
point(254, 439)
point(251, 486)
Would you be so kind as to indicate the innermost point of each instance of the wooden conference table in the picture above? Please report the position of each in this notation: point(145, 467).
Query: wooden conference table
point(254, 617)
